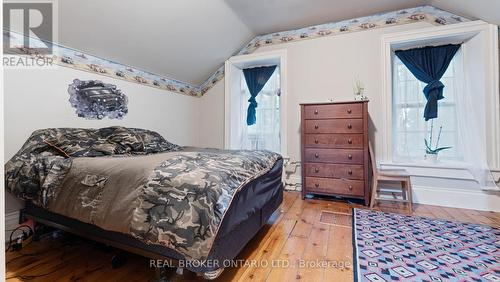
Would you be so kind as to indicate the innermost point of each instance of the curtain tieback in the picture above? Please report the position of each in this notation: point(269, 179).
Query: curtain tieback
point(434, 85)
point(252, 102)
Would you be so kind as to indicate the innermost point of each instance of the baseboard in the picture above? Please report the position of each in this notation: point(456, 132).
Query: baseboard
point(445, 197)
point(11, 222)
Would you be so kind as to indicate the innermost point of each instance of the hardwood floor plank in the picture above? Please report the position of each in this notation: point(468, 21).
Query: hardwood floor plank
point(315, 252)
point(340, 254)
point(478, 217)
point(270, 251)
point(456, 215)
point(492, 216)
point(288, 260)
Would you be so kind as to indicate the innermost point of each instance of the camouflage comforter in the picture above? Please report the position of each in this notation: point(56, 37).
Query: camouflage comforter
point(41, 164)
point(184, 201)
point(153, 190)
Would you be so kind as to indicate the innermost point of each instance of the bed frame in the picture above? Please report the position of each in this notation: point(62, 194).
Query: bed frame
point(225, 247)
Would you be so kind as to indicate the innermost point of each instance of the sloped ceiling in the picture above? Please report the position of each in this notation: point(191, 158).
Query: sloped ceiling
point(183, 39)
point(189, 39)
point(267, 16)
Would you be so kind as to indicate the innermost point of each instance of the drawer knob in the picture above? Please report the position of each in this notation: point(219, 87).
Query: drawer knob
point(349, 140)
point(316, 112)
point(316, 126)
point(316, 141)
point(350, 188)
point(349, 172)
point(316, 185)
point(349, 156)
point(349, 111)
point(316, 170)
point(316, 155)
point(349, 126)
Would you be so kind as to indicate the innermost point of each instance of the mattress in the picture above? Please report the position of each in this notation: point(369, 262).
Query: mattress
point(249, 211)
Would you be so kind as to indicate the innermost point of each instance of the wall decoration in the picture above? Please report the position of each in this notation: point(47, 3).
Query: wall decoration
point(94, 99)
point(428, 14)
point(68, 57)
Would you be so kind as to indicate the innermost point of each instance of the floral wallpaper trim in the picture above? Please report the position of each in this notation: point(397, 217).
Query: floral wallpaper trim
point(72, 58)
point(406, 16)
point(68, 57)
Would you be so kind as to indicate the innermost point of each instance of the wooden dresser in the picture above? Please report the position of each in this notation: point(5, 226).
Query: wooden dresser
point(335, 149)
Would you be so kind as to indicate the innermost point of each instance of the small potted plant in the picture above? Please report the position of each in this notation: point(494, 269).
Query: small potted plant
point(431, 153)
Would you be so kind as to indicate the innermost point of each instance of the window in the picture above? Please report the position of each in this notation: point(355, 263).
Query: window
point(265, 133)
point(409, 127)
point(271, 122)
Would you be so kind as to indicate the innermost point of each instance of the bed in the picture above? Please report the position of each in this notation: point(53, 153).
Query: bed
point(132, 189)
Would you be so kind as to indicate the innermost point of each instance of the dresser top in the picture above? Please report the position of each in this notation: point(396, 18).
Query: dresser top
point(336, 102)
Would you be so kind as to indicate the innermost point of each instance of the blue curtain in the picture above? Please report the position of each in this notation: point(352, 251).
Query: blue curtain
point(428, 65)
point(256, 78)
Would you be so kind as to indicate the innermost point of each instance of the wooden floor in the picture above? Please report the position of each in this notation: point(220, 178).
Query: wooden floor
point(293, 235)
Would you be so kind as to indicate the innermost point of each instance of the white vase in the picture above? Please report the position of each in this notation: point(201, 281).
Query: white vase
point(432, 158)
point(359, 97)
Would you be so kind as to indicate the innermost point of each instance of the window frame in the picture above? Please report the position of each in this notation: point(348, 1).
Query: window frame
point(232, 70)
point(456, 33)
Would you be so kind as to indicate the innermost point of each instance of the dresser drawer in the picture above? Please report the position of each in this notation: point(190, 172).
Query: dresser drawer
point(334, 170)
point(334, 140)
point(342, 156)
point(335, 186)
point(334, 126)
point(354, 110)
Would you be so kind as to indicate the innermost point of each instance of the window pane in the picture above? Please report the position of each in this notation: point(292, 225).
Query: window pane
point(447, 118)
point(449, 89)
point(410, 128)
point(265, 133)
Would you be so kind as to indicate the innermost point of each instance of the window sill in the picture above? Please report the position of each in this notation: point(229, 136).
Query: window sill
point(439, 164)
point(450, 170)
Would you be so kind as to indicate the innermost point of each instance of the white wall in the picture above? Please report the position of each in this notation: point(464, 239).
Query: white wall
point(37, 99)
point(211, 117)
point(325, 68)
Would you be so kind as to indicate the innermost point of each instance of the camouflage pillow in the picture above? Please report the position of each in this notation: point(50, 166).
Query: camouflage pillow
point(154, 142)
point(75, 148)
point(71, 142)
point(126, 141)
point(81, 142)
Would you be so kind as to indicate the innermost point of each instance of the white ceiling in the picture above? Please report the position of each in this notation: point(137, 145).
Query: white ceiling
point(182, 39)
point(487, 10)
point(189, 39)
point(267, 16)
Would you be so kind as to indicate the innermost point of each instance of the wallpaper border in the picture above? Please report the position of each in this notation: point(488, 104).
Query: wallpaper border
point(75, 59)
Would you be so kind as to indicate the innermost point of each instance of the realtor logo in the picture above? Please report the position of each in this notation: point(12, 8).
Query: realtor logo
point(28, 26)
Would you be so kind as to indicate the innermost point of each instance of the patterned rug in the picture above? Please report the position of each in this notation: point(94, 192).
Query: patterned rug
point(393, 247)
